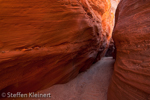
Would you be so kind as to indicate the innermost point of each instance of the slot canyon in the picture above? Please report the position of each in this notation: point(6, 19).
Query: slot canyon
point(75, 49)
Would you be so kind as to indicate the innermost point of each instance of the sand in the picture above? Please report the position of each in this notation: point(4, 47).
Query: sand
point(89, 85)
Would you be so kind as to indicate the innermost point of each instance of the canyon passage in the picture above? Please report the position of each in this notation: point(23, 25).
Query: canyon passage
point(58, 46)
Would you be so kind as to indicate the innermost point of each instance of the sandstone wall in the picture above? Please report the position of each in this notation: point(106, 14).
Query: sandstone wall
point(44, 42)
point(131, 77)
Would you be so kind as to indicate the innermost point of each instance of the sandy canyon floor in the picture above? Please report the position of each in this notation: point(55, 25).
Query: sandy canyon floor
point(89, 85)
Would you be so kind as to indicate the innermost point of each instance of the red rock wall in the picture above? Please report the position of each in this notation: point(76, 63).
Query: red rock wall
point(44, 42)
point(131, 77)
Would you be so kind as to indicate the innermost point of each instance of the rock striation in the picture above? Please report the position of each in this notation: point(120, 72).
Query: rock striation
point(131, 76)
point(45, 42)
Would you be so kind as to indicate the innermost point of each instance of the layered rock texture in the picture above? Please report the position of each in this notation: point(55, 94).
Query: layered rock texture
point(44, 42)
point(131, 77)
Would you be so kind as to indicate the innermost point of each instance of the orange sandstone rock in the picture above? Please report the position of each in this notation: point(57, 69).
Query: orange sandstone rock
point(131, 77)
point(50, 41)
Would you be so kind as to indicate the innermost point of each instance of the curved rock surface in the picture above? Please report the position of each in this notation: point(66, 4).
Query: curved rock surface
point(131, 77)
point(44, 42)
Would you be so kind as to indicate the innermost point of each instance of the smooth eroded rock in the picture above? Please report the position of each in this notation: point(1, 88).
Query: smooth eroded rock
point(131, 77)
point(44, 42)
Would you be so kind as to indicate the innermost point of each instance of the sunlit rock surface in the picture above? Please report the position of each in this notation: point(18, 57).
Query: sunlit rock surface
point(131, 76)
point(44, 42)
